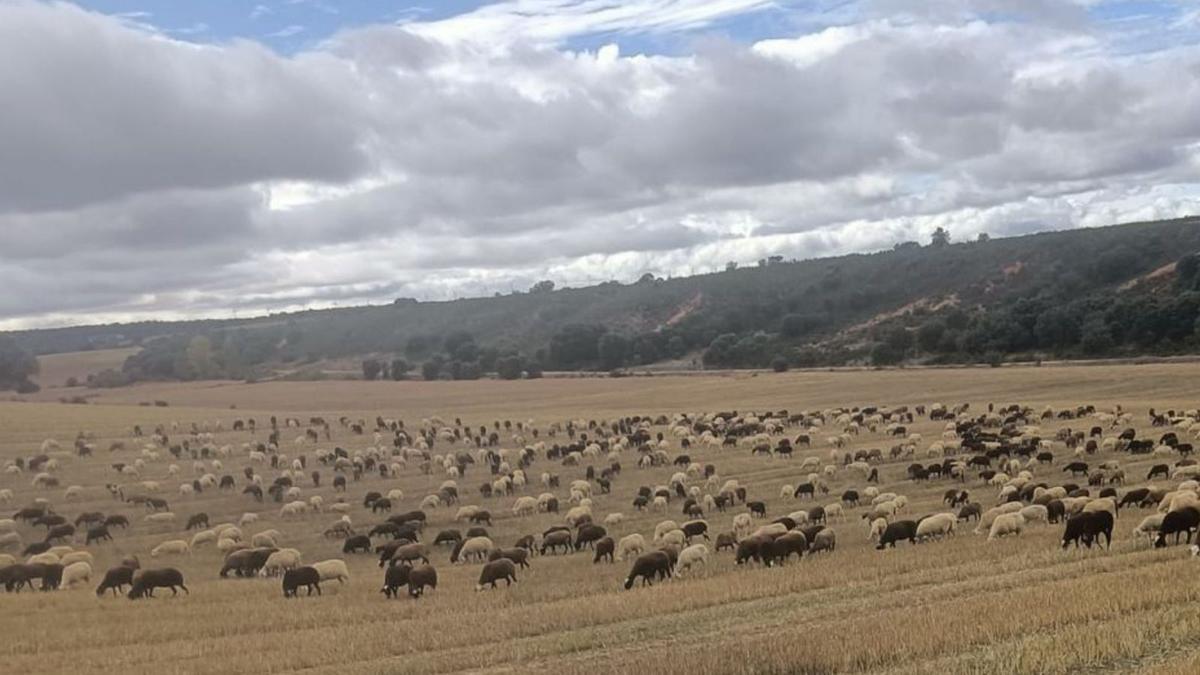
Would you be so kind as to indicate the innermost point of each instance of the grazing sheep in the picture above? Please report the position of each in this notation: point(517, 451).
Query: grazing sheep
point(116, 579)
point(1150, 526)
point(494, 571)
point(280, 561)
point(76, 572)
point(1183, 521)
point(476, 548)
point(936, 526)
point(898, 531)
point(332, 569)
point(1035, 513)
point(647, 567)
point(696, 554)
point(420, 578)
point(202, 537)
point(77, 556)
point(293, 579)
point(823, 540)
point(1006, 524)
point(145, 582)
point(173, 547)
point(630, 545)
point(1087, 527)
point(604, 549)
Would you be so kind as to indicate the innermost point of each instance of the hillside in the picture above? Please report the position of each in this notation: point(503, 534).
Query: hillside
point(1120, 290)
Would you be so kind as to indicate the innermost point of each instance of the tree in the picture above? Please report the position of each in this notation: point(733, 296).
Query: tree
point(940, 238)
point(798, 325)
point(929, 335)
point(16, 364)
point(400, 368)
point(612, 349)
point(983, 238)
point(544, 286)
point(1187, 272)
point(200, 357)
point(432, 369)
point(575, 346)
point(371, 369)
point(779, 364)
point(1095, 336)
point(884, 354)
point(509, 367)
point(731, 266)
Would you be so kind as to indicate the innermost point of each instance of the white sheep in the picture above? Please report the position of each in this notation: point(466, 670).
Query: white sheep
point(772, 530)
point(77, 556)
point(332, 569)
point(172, 547)
point(1149, 526)
point(475, 548)
point(937, 526)
point(613, 520)
point(202, 537)
point(159, 518)
point(266, 539)
point(279, 561)
point(833, 511)
point(1035, 513)
point(248, 518)
point(47, 558)
point(76, 573)
point(696, 554)
point(73, 492)
point(1006, 524)
point(742, 525)
point(631, 546)
point(1102, 504)
point(875, 528)
point(663, 528)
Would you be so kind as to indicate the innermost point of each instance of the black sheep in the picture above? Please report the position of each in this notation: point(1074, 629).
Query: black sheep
point(146, 582)
point(421, 577)
point(1182, 520)
point(393, 579)
point(293, 579)
point(648, 566)
point(604, 549)
point(116, 579)
point(359, 543)
point(495, 570)
point(1087, 527)
point(588, 535)
point(898, 531)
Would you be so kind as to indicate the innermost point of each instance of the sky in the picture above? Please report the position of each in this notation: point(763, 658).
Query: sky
point(164, 159)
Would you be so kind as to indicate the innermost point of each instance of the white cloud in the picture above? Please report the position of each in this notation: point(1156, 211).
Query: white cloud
point(145, 176)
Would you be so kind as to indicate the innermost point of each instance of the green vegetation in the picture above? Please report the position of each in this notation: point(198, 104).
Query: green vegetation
point(1103, 292)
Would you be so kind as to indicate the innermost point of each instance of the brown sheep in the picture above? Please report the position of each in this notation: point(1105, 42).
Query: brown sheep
point(496, 570)
point(166, 577)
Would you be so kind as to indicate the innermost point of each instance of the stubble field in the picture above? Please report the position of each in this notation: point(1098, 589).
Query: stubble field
point(961, 605)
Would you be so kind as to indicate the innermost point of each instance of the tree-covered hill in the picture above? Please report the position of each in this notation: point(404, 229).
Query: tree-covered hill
point(1115, 291)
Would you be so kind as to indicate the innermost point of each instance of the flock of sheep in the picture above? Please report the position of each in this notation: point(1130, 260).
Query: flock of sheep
point(1002, 471)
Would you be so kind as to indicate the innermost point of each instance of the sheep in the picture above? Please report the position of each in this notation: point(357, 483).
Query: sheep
point(172, 547)
point(116, 579)
point(675, 538)
point(647, 567)
point(247, 518)
point(280, 561)
point(876, 528)
point(421, 577)
point(1035, 513)
point(160, 518)
point(145, 583)
point(613, 520)
point(74, 573)
point(266, 538)
point(76, 556)
point(633, 544)
point(44, 558)
point(1088, 527)
point(663, 528)
point(476, 547)
point(1005, 524)
point(203, 537)
point(293, 579)
point(495, 570)
point(332, 569)
point(1105, 504)
point(1149, 526)
point(696, 554)
point(823, 540)
point(936, 526)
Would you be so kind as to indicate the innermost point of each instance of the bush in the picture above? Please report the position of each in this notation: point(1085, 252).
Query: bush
point(779, 364)
point(27, 387)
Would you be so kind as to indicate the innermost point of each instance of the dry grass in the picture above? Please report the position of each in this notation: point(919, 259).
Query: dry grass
point(55, 369)
point(963, 605)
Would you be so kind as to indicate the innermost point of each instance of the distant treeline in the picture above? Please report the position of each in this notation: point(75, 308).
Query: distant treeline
point(1114, 291)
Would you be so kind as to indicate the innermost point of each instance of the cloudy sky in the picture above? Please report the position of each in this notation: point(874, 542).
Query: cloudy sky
point(163, 159)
